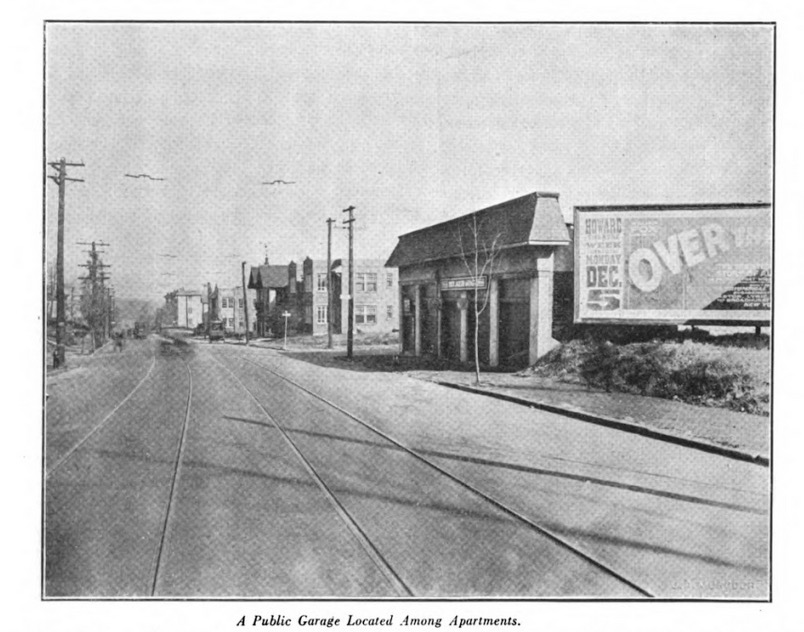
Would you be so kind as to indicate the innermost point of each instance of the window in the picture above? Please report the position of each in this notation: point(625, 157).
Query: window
point(240, 303)
point(365, 314)
point(366, 282)
point(321, 314)
point(322, 281)
point(389, 311)
point(189, 310)
point(389, 279)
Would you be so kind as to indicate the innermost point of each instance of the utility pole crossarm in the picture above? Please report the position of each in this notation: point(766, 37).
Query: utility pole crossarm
point(63, 163)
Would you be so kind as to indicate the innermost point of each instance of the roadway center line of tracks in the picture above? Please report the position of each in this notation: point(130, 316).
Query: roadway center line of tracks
point(499, 505)
point(379, 560)
point(105, 419)
point(173, 483)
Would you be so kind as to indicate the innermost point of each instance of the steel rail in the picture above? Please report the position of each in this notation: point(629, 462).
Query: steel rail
point(174, 481)
point(72, 450)
point(360, 535)
point(499, 505)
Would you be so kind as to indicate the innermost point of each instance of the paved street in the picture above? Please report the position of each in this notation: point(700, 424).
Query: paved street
point(217, 470)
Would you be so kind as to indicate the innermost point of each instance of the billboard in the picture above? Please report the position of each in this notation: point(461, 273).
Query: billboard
point(673, 264)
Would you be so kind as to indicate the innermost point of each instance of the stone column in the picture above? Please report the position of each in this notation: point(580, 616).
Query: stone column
point(401, 316)
point(494, 322)
point(541, 309)
point(463, 305)
point(417, 320)
point(439, 314)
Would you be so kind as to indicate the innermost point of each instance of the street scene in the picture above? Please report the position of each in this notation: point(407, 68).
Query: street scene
point(225, 470)
point(375, 311)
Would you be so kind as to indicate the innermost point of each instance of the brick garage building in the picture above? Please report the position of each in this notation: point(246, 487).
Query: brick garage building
point(526, 246)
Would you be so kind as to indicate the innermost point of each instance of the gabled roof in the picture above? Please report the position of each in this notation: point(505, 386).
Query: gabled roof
point(534, 219)
point(268, 276)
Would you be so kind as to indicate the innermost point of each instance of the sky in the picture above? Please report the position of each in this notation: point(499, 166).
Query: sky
point(411, 124)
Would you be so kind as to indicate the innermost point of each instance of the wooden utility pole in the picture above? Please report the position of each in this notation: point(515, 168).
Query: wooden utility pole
point(330, 221)
point(61, 180)
point(209, 308)
point(350, 333)
point(245, 296)
point(110, 319)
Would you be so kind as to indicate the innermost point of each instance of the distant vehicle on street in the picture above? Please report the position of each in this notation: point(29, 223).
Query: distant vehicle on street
point(216, 331)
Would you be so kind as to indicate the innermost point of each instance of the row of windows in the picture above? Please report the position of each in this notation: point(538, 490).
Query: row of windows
point(229, 323)
point(230, 302)
point(364, 314)
point(364, 281)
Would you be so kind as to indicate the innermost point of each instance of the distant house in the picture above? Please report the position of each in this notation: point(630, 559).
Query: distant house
point(272, 286)
point(230, 309)
point(189, 309)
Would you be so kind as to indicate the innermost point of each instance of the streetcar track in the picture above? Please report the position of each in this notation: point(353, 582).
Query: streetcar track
point(72, 450)
point(176, 464)
point(360, 535)
point(174, 480)
point(548, 533)
point(527, 469)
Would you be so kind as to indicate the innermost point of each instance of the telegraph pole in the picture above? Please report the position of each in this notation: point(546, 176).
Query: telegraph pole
point(330, 221)
point(61, 180)
point(209, 308)
point(110, 320)
point(350, 333)
point(245, 296)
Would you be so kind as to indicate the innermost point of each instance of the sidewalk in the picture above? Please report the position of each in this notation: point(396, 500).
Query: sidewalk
point(717, 430)
point(737, 435)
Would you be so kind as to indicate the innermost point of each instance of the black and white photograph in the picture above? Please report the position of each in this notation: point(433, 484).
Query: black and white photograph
point(405, 314)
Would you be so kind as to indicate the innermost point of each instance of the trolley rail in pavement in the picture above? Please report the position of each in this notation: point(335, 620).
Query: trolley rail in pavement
point(72, 450)
point(517, 516)
point(154, 582)
point(368, 546)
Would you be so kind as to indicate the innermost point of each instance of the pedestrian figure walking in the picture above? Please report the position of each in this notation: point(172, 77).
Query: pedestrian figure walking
point(118, 341)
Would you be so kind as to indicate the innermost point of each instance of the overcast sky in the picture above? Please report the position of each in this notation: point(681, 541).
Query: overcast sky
point(411, 124)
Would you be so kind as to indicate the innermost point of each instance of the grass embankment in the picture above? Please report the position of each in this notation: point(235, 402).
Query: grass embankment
point(729, 371)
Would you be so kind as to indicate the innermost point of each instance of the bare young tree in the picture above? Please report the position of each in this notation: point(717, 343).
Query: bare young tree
point(479, 253)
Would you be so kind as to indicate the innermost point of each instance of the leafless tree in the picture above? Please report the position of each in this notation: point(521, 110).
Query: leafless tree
point(479, 253)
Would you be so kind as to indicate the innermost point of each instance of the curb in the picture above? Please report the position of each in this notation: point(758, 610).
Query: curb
point(618, 424)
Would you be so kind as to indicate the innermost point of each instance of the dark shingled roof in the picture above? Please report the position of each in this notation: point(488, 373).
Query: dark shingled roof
point(268, 276)
point(534, 219)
